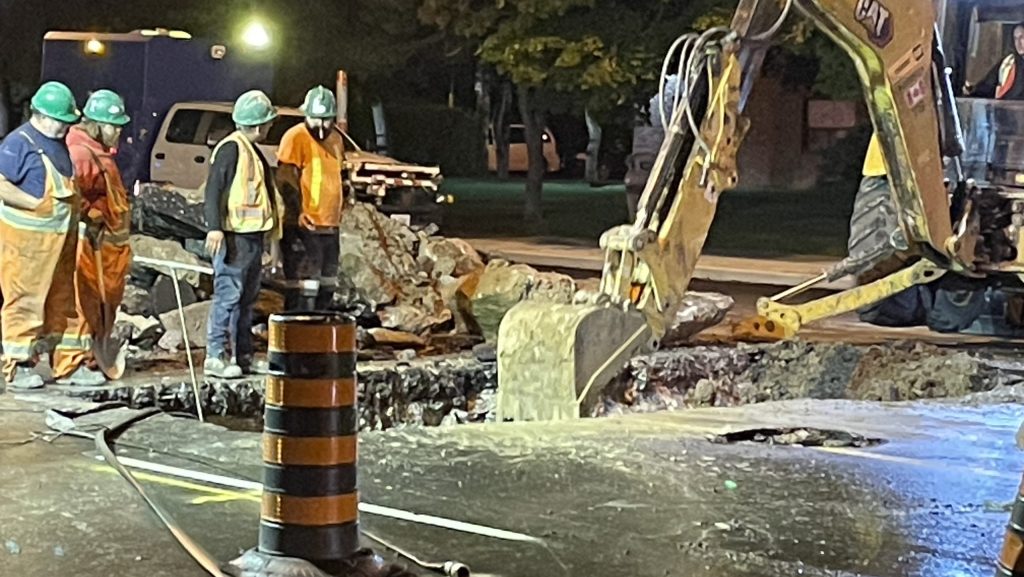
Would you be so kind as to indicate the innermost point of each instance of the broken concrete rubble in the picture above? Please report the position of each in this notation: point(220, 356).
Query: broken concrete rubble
point(163, 298)
point(196, 316)
point(502, 285)
point(378, 255)
point(387, 337)
point(166, 250)
point(698, 311)
point(164, 211)
point(401, 272)
point(138, 330)
point(449, 257)
point(433, 391)
point(377, 259)
point(136, 301)
point(421, 392)
point(745, 374)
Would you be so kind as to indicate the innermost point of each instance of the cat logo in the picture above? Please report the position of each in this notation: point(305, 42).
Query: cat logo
point(877, 20)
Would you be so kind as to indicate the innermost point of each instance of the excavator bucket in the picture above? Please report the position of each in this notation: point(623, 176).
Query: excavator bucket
point(554, 360)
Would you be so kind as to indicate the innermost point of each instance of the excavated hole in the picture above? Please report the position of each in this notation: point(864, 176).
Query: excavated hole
point(806, 437)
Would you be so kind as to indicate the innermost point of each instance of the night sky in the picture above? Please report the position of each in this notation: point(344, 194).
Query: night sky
point(379, 42)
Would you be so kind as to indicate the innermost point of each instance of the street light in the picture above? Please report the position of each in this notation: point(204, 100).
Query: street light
point(256, 35)
point(95, 47)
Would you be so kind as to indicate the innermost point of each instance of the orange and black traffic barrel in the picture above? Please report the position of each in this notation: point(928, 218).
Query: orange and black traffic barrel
point(1011, 560)
point(310, 503)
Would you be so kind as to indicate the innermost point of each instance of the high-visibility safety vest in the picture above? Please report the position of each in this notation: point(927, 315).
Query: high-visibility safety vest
point(58, 212)
point(1007, 76)
point(250, 206)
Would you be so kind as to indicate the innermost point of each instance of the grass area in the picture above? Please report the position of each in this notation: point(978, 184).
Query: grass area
point(749, 223)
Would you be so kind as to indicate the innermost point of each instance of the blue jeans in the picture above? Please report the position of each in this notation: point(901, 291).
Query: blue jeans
point(236, 284)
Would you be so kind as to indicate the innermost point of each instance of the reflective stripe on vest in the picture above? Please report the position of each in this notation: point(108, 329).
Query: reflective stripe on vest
point(316, 182)
point(249, 204)
point(53, 215)
point(1007, 76)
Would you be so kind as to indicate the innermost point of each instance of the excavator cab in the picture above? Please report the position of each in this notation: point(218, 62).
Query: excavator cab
point(978, 36)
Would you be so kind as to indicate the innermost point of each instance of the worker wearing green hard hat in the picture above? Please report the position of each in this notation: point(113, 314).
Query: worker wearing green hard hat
point(309, 167)
point(242, 207)
point(253, 109)
point(107, 107)
point(320, 103)
point(55, 100)
point(38, 223)
point(104, 253)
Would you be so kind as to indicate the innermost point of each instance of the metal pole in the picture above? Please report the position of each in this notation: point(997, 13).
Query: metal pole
point(188, 347)
point(807, 284)
point(173, 267)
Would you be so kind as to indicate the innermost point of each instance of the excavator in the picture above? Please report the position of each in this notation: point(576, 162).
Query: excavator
point(555, 359)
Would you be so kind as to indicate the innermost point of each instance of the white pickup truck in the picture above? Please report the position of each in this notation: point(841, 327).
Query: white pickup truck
point(181, 155)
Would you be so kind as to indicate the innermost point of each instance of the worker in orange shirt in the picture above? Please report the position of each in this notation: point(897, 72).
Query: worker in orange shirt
point(310, 161)
point(104, 254)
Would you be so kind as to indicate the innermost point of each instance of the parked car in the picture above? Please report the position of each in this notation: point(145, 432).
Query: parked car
point(183, 147)
point(518, 160)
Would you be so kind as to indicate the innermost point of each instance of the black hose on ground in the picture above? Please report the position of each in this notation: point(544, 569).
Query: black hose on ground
point(104, 440)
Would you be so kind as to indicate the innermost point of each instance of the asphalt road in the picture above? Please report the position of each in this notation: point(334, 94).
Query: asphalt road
point(641, 495)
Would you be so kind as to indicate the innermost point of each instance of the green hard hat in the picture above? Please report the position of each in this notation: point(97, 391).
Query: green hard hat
point(320, 103)
point(253, 109)
point(107, 107)
point(55, 100)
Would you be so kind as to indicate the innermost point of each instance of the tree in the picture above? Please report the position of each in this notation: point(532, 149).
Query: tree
point(565, 55)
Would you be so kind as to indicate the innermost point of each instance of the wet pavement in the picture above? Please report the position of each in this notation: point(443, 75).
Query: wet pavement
point(646, 495)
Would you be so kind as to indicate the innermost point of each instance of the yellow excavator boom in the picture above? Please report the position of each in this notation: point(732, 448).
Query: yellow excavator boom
point(554, 360)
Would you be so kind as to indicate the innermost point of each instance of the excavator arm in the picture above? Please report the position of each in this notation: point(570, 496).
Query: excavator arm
point(554, 360)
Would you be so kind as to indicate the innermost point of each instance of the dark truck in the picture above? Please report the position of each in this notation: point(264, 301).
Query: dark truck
point(179, 92)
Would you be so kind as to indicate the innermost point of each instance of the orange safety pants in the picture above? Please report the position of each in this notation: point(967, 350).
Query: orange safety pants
point(75, 348)
point(36, 272)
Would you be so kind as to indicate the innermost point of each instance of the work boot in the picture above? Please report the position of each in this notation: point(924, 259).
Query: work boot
point(252, 366)
point(84, 377)
point(221, 368)
point(25, 379)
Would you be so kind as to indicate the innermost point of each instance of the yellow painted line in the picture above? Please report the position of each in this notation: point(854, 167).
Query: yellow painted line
point(213, 495)
point(915, 462)
point(224, 498)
